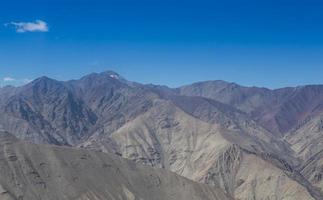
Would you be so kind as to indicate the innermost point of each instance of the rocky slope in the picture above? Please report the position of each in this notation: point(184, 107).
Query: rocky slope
point(307, 141)
point(65, 113)
point(30, 172)
point(278, 110)
point(46, 111)
point(167, 137)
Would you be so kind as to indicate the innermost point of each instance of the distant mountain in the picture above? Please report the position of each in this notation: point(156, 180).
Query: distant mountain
point(278, 110)
point(248, 141)
point(46, 111)
point(54, 112)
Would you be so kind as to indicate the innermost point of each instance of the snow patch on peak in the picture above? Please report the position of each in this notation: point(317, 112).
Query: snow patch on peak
point(114, 76)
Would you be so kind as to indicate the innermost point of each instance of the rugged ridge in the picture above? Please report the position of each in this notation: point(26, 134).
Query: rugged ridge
point(278, 110)
point(167, 137)
point(253, 143)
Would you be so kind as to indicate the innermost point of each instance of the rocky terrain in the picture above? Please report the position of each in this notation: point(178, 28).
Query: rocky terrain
point(246, 142)
point(307, 142)
point(278, 110)
point(29, 171)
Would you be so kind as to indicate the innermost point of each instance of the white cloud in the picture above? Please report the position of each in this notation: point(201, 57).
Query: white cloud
point(36, 26)
point(8, 79)
point(14, 81)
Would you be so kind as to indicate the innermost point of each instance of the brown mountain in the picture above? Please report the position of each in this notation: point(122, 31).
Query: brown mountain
point(278, 110)
point(244, 140)
point(307, 141)
point(46, 111)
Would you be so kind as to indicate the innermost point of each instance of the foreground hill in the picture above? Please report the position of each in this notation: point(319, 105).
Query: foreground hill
point(30, 172)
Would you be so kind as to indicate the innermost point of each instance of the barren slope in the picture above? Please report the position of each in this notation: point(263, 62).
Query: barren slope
point(31, 172)
point(169, 138)
point(307, 141)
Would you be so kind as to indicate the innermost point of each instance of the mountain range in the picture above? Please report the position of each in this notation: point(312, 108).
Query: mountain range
point(207, 140)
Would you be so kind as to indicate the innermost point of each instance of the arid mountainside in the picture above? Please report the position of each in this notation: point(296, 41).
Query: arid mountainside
point(46, 111)
point(307, 141)
point(169, 138)
point(278, 110)
point(253, 143)
point(54, 112)
point(29, 171)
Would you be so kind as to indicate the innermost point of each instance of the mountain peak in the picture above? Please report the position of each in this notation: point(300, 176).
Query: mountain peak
point(43, 79)
point(45, 83)
point(104, 77)
point(111, 74)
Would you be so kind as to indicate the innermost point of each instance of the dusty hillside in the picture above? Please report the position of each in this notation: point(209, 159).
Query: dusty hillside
point(30, 172)
point(307, 142)
point(169, 138)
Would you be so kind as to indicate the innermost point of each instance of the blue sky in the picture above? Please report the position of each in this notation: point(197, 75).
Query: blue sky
point(264, 43)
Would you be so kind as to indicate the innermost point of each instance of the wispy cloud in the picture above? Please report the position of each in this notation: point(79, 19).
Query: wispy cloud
point(8, 80)
point(36, 26)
